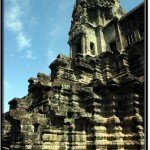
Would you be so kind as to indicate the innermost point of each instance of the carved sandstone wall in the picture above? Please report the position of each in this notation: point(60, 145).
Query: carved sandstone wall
point(84, 109)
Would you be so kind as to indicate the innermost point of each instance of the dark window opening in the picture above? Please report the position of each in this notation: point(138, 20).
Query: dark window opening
point(113, 46)
point(92, 48)
point(36, 126)
point(78, 45)
point(70, 114)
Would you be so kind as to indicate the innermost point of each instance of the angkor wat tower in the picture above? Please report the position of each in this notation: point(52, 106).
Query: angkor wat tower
point(94, 99)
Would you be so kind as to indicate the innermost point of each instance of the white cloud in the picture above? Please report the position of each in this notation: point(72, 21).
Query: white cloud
point(12, 17)
point(15, 23)
point(23, 41)
point(7, 84)
point(29, 55)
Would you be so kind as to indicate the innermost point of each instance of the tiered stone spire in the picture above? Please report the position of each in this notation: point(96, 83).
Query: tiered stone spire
point(86, 34)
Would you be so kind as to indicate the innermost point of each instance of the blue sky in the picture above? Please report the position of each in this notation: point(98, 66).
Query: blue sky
point(35, 32)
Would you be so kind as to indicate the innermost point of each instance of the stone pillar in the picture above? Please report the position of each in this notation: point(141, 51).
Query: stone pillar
point(71, 51)
point(87, 45)
point(83, 45)
point(101, 45)
point(96, 51)
point(120, 36)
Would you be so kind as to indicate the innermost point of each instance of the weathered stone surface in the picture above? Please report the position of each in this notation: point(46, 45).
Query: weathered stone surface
point(93, 100)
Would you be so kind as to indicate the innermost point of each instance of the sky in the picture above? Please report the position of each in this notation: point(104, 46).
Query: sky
point(35, 32)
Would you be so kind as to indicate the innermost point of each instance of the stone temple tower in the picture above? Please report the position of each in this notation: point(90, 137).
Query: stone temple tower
point(92, 100)
point(88, 33)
